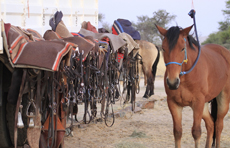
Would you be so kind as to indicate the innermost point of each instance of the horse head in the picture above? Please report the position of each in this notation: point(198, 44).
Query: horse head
point(174, 53)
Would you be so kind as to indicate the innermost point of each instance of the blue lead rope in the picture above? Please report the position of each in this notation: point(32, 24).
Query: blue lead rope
point(192, 15)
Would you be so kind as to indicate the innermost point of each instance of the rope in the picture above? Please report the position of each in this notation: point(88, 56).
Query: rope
point(28, 8)
point(193, 5)
point(192, 15)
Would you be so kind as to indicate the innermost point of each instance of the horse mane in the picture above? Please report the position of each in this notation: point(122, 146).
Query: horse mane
point(173, 35)
point(192, 41)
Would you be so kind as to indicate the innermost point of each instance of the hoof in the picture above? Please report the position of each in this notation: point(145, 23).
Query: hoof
point(146, 96)
point(151, 93)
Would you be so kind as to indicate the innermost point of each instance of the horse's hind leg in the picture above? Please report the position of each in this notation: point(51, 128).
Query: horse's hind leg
point(146, 95)
point(222, 109)
point(209, 124)
point(145, 80)
point(149, 87)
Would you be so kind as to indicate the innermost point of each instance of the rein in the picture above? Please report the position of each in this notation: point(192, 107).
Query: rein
point(192, 15)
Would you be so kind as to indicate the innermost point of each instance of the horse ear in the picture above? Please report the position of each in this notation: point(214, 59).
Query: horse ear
point(161, 30)
point(186, 31)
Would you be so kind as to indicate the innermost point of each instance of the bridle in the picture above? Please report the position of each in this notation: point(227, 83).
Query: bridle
point(185, 60)
point(192, 15)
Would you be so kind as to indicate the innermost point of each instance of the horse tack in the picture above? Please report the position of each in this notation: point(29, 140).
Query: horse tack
point(22, 86)
point(83, 44)
point(21, 44)
point(51, 35)
point(96, 50)
point(115, 41)
point(88, 26)
point(37, 36)
point(52, 134)
point(131, 44)
point(54, 93)
point(33, 132)
point(33, 139)
point(59, 128)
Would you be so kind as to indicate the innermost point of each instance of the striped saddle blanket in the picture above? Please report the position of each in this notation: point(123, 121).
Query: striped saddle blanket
point(27, 49)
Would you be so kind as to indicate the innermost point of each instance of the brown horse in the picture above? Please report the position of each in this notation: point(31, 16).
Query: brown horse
point(209, 79)
point(150, 57)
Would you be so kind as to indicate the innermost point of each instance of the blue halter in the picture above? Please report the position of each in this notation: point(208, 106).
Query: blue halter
point(184, 61)
point(192, 15)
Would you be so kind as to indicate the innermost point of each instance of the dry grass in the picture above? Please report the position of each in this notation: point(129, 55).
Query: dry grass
point(136, 134)
point(129, 145)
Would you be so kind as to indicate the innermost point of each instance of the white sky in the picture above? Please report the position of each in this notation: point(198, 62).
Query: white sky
point(208, 12)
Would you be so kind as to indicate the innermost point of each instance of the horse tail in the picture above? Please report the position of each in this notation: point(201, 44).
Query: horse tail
point(214, 116)
point(154, 67)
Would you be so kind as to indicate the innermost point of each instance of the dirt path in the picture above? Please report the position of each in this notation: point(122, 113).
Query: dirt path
point(149, 128)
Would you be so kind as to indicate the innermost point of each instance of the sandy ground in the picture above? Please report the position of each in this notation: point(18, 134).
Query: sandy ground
point(149, 128)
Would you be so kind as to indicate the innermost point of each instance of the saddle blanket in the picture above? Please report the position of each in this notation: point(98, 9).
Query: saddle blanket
point(26, 49)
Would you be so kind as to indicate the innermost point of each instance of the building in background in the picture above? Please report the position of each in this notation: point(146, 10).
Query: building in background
point(35, 14)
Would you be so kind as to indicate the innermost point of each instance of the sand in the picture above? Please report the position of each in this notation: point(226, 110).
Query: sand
point(148, 128)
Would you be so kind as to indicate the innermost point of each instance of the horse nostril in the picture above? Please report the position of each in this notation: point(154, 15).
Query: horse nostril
point(167, 80)
point(173, 84)
point(177, 81)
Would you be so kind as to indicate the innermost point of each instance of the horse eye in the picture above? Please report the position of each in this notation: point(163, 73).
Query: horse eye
point(163, 50)
point(182, 49)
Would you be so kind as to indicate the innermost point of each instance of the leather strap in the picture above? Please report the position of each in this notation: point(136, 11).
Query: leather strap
point(17, 106)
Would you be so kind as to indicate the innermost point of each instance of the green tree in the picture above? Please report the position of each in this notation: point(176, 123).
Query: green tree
point(222, 37)
point(225, 24)
point(101, 17)
point(146, 25)
point(105, 25)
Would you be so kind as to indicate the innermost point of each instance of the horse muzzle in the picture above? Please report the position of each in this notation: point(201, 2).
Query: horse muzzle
point(173, 84)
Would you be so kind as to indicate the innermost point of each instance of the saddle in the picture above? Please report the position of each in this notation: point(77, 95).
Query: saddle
point(131, 44)
point(51, 35)
point(58, 25)
point(123, 25)
point(115, 41)
point(124, 29)
point(59, 128)
point(89, 26)
point(26, 49)
point(85, 43)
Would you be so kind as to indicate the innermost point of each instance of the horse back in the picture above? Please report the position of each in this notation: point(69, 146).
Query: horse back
point(148, 51)
point(216, 56)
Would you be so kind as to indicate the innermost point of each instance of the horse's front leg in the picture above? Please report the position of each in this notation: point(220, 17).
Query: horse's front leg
point(198, 108)
point(176, 112)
